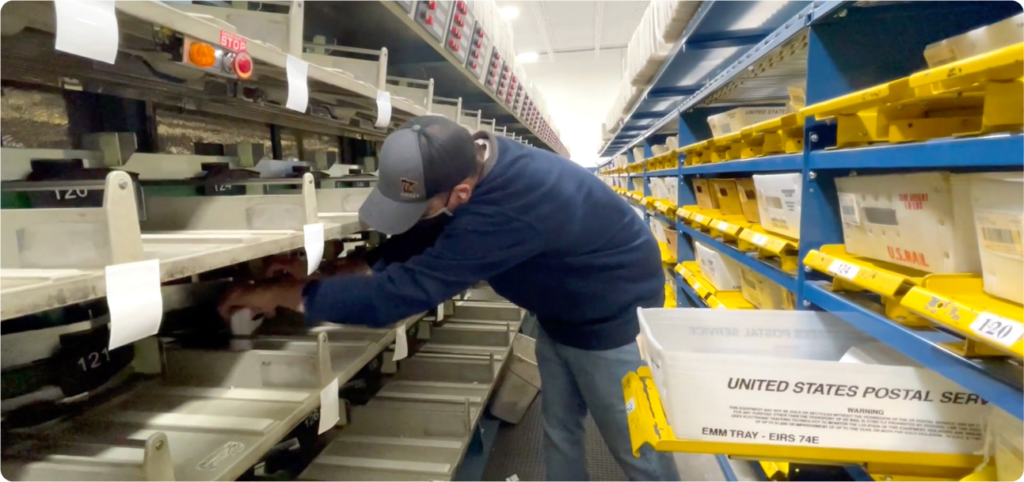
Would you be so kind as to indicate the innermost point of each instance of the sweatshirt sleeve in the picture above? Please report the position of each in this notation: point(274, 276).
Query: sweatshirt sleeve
point(475, 246)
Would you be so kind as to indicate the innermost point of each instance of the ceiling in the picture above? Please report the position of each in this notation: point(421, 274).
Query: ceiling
point(581, 46)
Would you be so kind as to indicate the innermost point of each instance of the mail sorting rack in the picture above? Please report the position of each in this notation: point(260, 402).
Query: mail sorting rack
point(420, 424)
point(845, 132)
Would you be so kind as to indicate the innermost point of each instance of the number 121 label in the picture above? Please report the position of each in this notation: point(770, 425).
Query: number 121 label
point(998, 329)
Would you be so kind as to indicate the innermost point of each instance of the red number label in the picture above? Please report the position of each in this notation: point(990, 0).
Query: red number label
point(232, 42)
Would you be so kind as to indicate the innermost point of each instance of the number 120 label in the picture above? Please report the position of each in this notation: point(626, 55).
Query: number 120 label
point(1000, 330)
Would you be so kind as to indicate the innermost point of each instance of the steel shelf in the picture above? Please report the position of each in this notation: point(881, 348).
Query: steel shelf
point(31, 291)
point(669, 95)
point(996, 381)
point(663, 218)
point(690, 291)
point(663, 173)
point(749, 260)
point(452, 69)
point(1003, 150)
point(779, 163)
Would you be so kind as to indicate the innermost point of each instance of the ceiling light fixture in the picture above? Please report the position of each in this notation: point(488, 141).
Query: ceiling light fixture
point(527, 57)
point(508, 13)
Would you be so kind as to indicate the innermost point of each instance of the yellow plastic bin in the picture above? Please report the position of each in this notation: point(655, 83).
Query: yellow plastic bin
point(520, 382)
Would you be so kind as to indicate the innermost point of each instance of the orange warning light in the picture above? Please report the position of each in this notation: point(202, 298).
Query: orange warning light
point(201, 54)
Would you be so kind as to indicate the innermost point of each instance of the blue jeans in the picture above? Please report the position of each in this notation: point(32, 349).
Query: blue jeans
point(574, 380)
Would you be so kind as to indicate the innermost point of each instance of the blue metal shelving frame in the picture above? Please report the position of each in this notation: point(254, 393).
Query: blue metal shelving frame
point(844, 41)
point(780, 163)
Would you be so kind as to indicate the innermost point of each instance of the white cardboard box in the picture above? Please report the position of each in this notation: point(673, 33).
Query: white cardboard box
point(723, 273)
point(736, 119)
point(1006, 434)
point(998, 204)
point(773, 377)
point(778, 202)
point(921, 220)
point(977, 41)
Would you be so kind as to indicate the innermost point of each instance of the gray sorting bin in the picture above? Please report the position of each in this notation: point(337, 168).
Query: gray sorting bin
point(520, 381)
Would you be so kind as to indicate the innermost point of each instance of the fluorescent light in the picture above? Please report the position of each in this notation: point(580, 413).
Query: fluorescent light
point(528, 57)
point(508, 13)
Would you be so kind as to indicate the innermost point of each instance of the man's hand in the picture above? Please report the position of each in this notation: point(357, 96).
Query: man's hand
point(263, 298)
point(285, 265)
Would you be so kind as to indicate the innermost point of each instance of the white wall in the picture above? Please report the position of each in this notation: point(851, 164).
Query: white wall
point(579, 90)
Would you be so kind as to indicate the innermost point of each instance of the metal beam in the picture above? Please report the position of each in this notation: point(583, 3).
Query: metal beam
point(598, 23)
point(540, 14)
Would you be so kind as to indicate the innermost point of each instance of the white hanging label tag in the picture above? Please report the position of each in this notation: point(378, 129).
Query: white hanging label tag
point(401, 343)
point(298, 88)
point(87, 28)
point(134, 299)
point(843, 269)
point(313, 239)
point(383, 109)
point(330, 407)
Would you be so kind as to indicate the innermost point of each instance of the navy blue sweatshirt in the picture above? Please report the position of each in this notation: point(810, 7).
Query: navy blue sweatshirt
point(545, 233)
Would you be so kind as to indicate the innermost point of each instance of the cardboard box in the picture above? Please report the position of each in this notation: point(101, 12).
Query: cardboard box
point(727, 195)
point(764, 293)
point(921, 220)
point(672, 142)
point(721, 271)
point(797, 97)
point(997, 202)
point(638, 154)
point(736, 119)
point(657, 187)
point(748, 200)
point(748, 286)
point(768, 372)
point(671, 240)
point(703, 194)
point(977, 41)
point(778, 202)
point(1007, 448)
point(672, 188)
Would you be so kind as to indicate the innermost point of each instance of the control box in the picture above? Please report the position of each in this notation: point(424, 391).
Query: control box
point(513, 85)
point(405, 4)
point(434, 15)
point(494, 69)
point(504, 80)
point(479, 48)
point(460, 31)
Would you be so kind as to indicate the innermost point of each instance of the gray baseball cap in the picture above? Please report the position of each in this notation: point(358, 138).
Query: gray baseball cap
point(427, 156)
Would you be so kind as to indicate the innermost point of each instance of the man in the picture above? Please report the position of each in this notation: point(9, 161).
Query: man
point(546, 234)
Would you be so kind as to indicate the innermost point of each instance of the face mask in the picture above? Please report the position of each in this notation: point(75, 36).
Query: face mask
point(443, 211)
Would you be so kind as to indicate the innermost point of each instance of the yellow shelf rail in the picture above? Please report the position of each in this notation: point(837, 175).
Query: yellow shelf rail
point(755, 238)
point(648, 425)
point(749, 237)
point(781, 135)
point(721, 300)
point(975, 96)
point(958, 302)
point(852, 273)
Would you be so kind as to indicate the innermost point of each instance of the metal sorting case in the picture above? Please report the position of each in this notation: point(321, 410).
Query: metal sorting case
point(419, 425)
point(56, 257)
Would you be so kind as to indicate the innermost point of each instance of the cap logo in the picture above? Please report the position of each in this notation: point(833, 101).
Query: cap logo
point(408, 188)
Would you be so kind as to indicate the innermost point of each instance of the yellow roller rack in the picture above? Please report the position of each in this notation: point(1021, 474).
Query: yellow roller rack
point(649, 425)
point(724, 300)
point(957, 302)
point(697, 153)
point(781, 135)
point(749, 237)
point(979, 95)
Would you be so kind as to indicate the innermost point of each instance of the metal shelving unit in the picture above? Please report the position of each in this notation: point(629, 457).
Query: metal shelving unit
point(833, 59)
